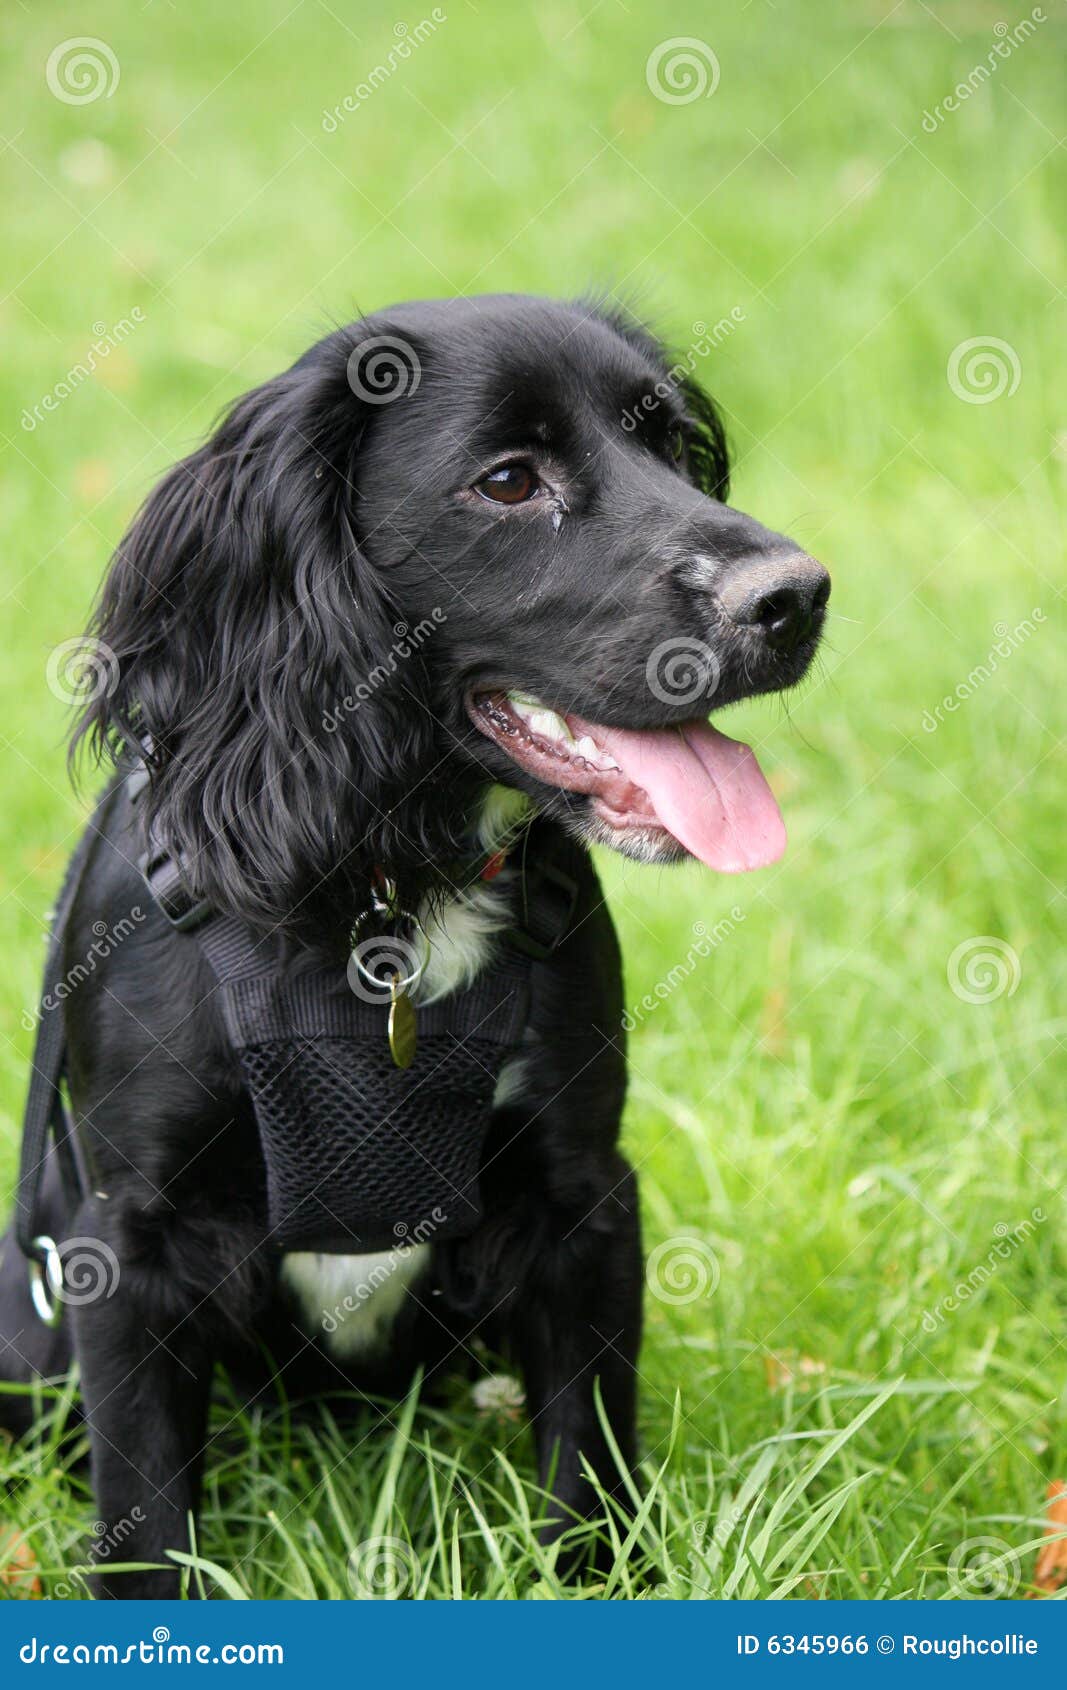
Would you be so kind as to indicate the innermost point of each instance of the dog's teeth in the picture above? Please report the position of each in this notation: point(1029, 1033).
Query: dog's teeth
point(588, 748)
point(549, 725)
point(539, 720)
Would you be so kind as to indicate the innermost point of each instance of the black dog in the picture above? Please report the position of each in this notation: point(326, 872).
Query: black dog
point(465, 565)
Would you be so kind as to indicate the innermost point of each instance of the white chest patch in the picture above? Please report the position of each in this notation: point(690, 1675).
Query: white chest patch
point(461, 932)
point(353, 1301)
point(459, 940)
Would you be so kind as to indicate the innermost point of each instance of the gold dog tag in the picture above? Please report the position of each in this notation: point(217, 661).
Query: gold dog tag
point(403, 1034)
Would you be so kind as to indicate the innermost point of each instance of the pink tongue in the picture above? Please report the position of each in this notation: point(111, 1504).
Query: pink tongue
point(707, 790)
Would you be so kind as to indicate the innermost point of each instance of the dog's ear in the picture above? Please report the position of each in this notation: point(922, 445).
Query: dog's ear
point(709, 455)
point(248, 639)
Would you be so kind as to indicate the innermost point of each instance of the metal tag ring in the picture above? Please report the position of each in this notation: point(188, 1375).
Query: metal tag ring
point(46, 1280)
point(403, 960)
point(392, 985)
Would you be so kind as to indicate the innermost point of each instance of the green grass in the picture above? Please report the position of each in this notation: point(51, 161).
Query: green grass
point(845, 1138)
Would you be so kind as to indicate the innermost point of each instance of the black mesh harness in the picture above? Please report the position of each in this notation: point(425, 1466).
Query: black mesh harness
point(359, 1154)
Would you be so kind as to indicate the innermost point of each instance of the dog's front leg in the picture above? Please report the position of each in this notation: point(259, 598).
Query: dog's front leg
point(577, 1324)
point(145, 1386)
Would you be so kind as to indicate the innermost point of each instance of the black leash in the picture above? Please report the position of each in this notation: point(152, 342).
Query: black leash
point(47, 1120)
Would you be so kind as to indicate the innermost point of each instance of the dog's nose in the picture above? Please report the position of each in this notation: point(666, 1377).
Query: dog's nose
point(782, 598)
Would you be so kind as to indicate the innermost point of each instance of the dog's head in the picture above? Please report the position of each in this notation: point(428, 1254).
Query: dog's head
point(459, 544)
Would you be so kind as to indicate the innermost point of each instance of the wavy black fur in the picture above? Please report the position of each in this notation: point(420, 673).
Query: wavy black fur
point(251, 595)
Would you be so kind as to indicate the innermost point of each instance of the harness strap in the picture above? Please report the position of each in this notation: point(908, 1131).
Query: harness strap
point(317, 1002)
point(356, 1151)
point(46, 1115)
point(264, 1004)
point(549, 895)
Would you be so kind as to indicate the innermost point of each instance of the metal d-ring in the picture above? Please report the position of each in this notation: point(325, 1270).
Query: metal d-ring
point(46, 1280)
point(391, 953)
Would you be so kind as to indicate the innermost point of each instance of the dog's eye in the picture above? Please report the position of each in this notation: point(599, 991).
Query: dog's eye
point(676, 442)
point(511, 484)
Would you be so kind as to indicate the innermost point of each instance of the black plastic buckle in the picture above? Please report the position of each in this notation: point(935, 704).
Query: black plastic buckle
point(164, 880)
point(550, 897)
point(162, 871)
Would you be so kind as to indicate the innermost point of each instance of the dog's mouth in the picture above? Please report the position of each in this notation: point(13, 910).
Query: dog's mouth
point(687, 783)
